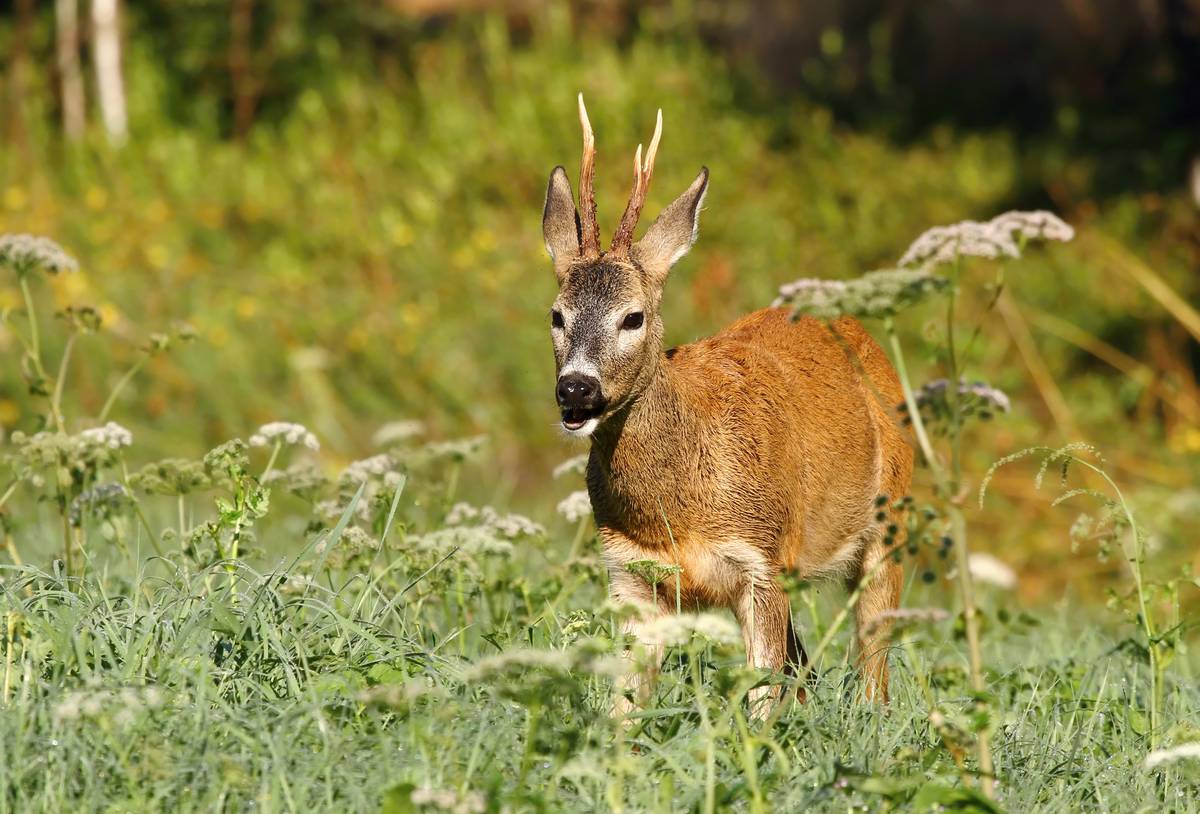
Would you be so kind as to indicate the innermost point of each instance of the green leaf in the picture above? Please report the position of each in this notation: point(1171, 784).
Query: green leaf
point(935, 796)
point(385, 674)
point(889, 786)
point(1137, 721)
point(398, 799)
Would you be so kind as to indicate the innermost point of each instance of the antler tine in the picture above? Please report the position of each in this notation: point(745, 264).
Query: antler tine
point(648, 167)
point(590, 230)
point(642, 171)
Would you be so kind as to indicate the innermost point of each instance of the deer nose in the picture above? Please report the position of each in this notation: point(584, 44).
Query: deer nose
point(577, 392)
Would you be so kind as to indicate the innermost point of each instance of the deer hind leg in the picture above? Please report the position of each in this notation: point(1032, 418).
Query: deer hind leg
point(765, 617)
point(880, 578)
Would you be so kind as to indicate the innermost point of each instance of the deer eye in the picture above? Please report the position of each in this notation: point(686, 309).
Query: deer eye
point(632, 321)
point(556, 320)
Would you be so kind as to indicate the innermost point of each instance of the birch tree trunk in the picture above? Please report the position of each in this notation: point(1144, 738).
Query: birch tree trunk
point(18, 74)
point(66, 18)
point(106, 50)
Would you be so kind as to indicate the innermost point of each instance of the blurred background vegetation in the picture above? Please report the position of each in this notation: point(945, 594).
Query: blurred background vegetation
point(343, 197)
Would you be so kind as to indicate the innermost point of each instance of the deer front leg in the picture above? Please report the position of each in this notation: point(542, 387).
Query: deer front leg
point(645, 657)
point(764, 614)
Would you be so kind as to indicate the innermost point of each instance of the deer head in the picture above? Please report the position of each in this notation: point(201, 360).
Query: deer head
point(605, 321)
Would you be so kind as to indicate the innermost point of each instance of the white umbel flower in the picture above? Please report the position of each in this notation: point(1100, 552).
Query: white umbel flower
point(25, 253)
point(283, 432)
point(991, 239)
point(575, 506)
point(430, 799)
point(677, 630)
point(575, 465)
point(397, 432)
point(112, 436)
point(986, 568)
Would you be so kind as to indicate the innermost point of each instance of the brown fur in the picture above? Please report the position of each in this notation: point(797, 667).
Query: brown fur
point(763, 447)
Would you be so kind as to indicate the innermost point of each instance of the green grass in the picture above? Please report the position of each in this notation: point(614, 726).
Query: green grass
point(285, 699)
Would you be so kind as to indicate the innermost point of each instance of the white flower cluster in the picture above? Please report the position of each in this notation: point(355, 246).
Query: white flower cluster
point(25, 253)
point(875, 294)
point(588, 656)
point(986, 568)
point(298, 585)
point(401, 696)
point(1165, 757)
point(283, 432)
point(575, 506)
point(122, 705)
point(381, 475)
point(1034, 225)
point(111, 436)
point(819, 294)
point(575, 465)
point(83, 454)
point(508, 526)
point(471, 540)
point(397, 432)
point(353, 543)
point(679, 629)
point(432, 799)
point(457, 450)
point(519, 659)
point(984, 392)
point(997, 237)
point(374, 467)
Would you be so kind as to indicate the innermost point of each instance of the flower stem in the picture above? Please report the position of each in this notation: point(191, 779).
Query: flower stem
point(56, 399)
point(116, 391)
point(974, 650)
point(68, 543)
point(10, 634)
point(36, 351)
point(577, 543)
point(8, 492)
point(947, 487)
point(271, 461)
point(910, 401)
point(1135, 566)
point(35, 347)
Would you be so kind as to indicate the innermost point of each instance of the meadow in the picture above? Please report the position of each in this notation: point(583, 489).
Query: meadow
point(288, 525)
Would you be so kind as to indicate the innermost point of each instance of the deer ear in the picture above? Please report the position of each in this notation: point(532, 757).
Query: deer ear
point(673, 231)
point(560, 221)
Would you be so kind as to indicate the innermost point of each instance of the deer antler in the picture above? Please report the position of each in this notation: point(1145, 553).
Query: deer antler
point(623, 237)
point(589, 246)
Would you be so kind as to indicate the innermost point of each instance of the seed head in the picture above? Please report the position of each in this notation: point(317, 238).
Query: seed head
point(575, 506)
point(26, 253)
point(282, 432)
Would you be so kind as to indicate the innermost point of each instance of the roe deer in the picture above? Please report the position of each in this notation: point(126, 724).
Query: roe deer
point(763, 447)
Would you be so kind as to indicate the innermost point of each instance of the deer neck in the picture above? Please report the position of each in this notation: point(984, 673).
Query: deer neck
point(642, 454)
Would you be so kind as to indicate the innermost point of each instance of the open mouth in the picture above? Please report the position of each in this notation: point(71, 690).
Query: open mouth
point(575, 419)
